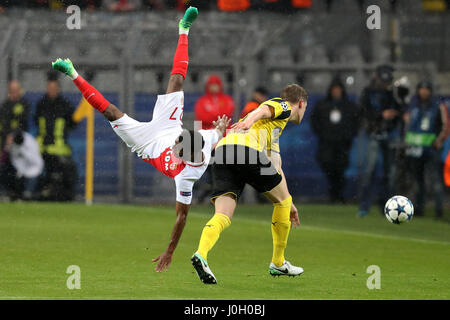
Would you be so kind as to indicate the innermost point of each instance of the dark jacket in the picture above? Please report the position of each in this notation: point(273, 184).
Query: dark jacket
point(374, 101)
point(54, 120)
point(335, 120)
point(14, 115)
point(428, 121)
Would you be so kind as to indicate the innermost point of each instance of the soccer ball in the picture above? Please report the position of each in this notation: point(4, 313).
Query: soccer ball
point(399, 209)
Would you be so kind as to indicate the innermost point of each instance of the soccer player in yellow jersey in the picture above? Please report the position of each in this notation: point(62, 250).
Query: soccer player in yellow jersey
point(250, 154)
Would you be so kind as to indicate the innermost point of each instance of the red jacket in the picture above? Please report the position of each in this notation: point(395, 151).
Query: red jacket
point(212, 105)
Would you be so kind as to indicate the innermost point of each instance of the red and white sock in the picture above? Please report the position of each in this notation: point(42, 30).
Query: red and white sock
point(181, 58)
point(92, 95)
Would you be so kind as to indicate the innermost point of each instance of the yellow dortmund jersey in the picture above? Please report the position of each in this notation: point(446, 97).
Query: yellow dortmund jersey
point(264, 133)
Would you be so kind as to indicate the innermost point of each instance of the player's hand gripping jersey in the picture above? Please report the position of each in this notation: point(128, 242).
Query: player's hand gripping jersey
point(264, 134)
point(153, 141)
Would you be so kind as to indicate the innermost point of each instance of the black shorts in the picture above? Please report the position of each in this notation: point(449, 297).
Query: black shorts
point(236, 165)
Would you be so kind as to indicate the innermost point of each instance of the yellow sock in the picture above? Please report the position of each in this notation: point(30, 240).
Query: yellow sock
point(211, 233)
point(281, 225)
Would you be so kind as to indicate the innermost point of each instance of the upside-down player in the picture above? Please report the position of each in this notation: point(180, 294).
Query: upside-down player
point(176, 152)
point(241, 158)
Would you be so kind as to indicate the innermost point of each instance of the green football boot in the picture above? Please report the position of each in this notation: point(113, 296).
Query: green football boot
point(203, 271)
point(189, 17)
point(65, 66)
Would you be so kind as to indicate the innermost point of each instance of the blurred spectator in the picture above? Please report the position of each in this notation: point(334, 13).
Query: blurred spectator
point(286, 6)
point(213, 103)
point(182, 5)
point(122, 5)
point(49, 4)
point(403, 176)
point(208, 108)
point(12, 3)
point(54, 120)
point(427, 128)
point(301, 4)
point(21, 163)
point(447, 169)
point(382, 115)
point(335, 120)
point(200, 4)
point(258, 96)
point(14, 111)
point(84, 4)
point(38, 3)
point(154, 4)
point(435, 5)
point(329, 4)
point(233, 5)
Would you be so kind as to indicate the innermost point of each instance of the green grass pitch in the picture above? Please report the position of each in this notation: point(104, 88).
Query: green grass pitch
point(114, 245)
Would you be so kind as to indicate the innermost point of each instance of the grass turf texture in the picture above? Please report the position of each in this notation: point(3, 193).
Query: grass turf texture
point(114, 245)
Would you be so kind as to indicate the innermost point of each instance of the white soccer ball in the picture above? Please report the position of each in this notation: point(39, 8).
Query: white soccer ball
point(399, 209)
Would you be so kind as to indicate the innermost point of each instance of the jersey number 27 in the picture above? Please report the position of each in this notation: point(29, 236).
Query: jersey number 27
point(173, 116)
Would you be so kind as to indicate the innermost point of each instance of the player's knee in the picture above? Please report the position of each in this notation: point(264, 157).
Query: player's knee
point(175, 83)
point(112, 113)
point(287, 202)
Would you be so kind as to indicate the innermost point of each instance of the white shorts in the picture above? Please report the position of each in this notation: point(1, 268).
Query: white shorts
point(149, 139)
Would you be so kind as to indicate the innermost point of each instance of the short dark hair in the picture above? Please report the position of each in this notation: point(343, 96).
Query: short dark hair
point(294, 93)
point(192, 141)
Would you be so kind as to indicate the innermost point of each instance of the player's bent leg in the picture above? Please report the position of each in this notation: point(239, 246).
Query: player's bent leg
point(279, 193)
point(176, 82)
point(134, 133)
point(92, 95)
point(225, 204)
point(112, 113)
point(181, 58)
point(281, 225)
point(221, 220)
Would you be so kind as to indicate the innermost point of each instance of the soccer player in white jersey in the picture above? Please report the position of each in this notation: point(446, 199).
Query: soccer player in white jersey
point(176, 152)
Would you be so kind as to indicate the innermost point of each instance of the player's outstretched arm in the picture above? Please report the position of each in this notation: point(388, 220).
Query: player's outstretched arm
point(165, 258)
point(92, 95)
point(263, 112)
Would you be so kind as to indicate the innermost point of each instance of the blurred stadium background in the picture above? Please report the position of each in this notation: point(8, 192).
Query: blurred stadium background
point(131, 54)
